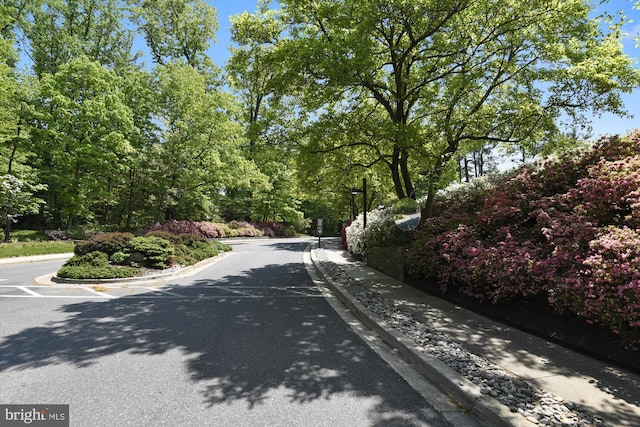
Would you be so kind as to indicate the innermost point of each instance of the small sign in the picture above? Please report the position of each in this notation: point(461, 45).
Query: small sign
point(319, 228)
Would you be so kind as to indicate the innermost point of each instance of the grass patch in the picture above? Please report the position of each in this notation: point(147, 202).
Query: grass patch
point(28, 235)
point(35, 248)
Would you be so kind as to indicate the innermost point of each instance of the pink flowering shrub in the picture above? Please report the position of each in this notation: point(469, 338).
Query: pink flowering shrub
point(566, 231)
point(273, 229)
point(204, 229)
point(241, 229)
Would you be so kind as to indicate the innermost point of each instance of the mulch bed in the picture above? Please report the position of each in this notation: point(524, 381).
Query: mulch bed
point(538, 319)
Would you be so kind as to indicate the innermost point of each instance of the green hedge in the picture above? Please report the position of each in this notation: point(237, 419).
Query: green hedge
point(94, 265)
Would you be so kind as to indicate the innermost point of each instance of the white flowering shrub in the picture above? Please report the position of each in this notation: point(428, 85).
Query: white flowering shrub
point(381, 230)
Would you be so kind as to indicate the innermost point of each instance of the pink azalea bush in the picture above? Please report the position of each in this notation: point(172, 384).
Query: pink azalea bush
point(205, 229)
point(566, 232)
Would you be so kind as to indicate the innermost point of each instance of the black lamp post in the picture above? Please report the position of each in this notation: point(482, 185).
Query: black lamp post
point(362, 190)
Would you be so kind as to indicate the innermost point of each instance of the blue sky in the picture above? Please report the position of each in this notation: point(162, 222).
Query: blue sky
point(607, 124)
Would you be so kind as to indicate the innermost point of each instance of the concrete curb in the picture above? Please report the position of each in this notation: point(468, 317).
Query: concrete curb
point(34, 258)
point(486, 408)
point(184, 272)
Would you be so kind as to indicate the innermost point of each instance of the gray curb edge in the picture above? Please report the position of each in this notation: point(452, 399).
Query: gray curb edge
point(488, 409)
point(183, 272)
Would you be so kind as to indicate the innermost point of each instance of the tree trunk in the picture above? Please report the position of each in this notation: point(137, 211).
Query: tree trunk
point(395, 174)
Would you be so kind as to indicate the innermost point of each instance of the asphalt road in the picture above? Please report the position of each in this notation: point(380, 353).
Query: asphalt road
point(249, 341)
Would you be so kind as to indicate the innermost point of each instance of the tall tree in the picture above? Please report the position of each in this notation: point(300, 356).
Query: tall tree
point(418, 79)
point(176, 29)
point(58, 31)
point(256, 75)
point(82, 133)
point(200, 156)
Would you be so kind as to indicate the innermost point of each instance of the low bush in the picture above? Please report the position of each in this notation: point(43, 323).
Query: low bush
point(155, 251)
point(381, 231)
point(94, 265)
point(275, 229)
point(109, 243)
point(241, 229)
point(208, 230)
point(90, 272)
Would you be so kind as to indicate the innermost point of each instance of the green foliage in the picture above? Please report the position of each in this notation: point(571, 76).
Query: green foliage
point(188, 248)
point(90, 272)
point(94, 265)
point(156, 251)
point(119, 258)
point(176, 29)
point(84, 139)
point(404, 85)
point(109, 243)
point(93, 259)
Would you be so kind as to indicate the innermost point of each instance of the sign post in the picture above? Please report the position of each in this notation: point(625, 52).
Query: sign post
point(319, 230)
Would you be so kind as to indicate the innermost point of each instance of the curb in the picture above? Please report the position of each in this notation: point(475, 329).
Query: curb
point(183, 272)
point(34, 258)
point(486, 408)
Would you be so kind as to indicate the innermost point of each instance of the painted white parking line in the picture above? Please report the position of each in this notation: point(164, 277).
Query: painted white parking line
point(102, 294)
point(165, 292)
point(29, 291)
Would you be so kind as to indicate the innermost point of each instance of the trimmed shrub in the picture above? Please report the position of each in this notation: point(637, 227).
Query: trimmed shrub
point(95, 259)
point(156, 251)
point(119, 258)
point(109, 243)
point(94, 265)
point(275, 229)
point(90, 272)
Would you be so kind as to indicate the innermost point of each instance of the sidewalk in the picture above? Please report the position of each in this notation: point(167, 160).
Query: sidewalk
point(558, 377)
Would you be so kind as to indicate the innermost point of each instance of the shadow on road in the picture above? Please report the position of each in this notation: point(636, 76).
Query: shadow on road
point(238, 347)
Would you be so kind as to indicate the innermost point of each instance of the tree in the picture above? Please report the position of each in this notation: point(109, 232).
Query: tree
point(82, 129)
point(17, 197)
point(255, 75)
point(200, 156)
point(58, 31)
point(176, 29)
point(415, 80)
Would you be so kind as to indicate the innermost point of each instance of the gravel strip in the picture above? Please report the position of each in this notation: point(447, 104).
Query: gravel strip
point(533, 403)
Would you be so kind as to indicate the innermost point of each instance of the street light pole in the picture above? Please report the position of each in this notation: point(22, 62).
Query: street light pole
point(364, 196)
point(355, 191)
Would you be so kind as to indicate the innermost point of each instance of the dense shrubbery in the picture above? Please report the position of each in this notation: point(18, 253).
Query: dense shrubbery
point(381, 231)
point(241, 229)
point(275, 229)
point(567, 231)
point(94, 265)
point(116, 255)
point(209, 230)
point(189, 248)
point(212, 230)
point(108, 243)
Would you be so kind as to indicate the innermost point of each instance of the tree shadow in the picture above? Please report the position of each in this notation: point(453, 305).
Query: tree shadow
point(245, 337)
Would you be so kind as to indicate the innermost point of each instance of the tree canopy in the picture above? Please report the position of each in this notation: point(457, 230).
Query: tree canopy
point(316, 95)
point(404, 83)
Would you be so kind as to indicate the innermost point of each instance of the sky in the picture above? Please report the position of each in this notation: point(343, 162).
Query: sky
point(607, 124)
